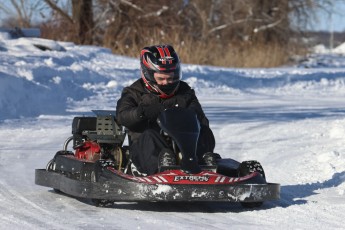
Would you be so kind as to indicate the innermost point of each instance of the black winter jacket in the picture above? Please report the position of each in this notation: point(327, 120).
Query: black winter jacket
point(127, 112)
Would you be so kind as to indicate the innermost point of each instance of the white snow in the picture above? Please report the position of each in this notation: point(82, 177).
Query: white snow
point(291, 119)
point(340, 49)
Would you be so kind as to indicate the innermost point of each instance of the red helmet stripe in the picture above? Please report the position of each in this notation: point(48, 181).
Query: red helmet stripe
point(145, 63)
point(143, 52)
point(144, 58)
point(168, 53)
point(161, 52)
point(147, 84)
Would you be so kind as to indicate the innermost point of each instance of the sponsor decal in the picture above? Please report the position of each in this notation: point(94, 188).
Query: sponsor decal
point(166, 59)
point(191, 178)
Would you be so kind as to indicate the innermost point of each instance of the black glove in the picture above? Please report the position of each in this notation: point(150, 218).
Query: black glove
point(150, 112)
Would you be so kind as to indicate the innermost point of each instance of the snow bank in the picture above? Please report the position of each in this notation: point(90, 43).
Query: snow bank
point(340, 49)
point(40, 76)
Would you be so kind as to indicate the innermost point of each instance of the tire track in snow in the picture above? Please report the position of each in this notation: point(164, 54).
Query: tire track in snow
point(27, 213)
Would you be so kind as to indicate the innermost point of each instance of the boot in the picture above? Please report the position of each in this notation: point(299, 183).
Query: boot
point(166, 158)
point(210, 159)
point(136, 172)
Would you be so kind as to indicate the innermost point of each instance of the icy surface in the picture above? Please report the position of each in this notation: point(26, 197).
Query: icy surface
point(291, 119)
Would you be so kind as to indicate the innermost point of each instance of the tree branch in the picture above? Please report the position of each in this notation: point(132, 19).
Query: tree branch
point(59, 10)
point(128, 3)
point(221, 27)
point(265, 27)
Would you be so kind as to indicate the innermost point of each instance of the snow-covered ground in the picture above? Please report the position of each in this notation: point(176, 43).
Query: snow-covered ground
point(291, 119)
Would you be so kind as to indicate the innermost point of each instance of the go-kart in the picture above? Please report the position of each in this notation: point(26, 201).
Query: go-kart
point(99, 167)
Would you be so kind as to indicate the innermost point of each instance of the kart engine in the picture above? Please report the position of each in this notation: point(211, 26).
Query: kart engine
point(89, 150)
point(97, 137)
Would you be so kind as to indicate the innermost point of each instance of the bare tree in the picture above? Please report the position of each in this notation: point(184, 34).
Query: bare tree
point(201, 30)
point(20, 12)
point(81, 19)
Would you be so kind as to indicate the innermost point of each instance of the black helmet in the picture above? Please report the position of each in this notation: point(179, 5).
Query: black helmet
point(160, 59)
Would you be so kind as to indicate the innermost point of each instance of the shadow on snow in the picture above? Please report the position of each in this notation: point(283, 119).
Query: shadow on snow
point(297, 194)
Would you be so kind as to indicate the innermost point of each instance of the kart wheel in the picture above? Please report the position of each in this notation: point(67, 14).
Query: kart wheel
point(101, 202)
point(96, 202)
point(57, 191)
point(248, 167)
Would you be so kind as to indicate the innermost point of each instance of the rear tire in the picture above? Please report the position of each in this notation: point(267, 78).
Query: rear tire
point(101, 202)
point(246, 168)
point(57, 191)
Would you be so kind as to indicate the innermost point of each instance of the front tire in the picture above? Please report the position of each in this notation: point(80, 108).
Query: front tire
point(248, 167)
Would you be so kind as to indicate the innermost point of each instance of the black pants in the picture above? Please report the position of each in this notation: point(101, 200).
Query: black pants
point(145, 150)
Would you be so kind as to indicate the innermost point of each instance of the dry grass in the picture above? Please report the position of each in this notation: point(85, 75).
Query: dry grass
point(211, 53)
point(191, 50)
